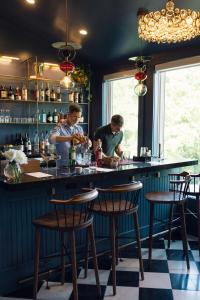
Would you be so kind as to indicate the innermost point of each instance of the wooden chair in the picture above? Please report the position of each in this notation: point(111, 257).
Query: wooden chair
point(69, 217)
point(176, 196)
point(119, 200)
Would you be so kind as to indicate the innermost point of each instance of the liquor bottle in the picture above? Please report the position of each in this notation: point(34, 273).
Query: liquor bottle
point(49, 118)
point(36, 93)
point(58, 94)
point(52, 95)
point(21, 143)
point(11, 95)
point(29, 146)
point(99, 154)
point(72, 157)
point(4, 94)
point(47, 93)
point(17, 140)
point(46, 142)
point(80, 97)
point(43, 116)
point(55, 116)
point(36, 143)
point(18, 94)
point(26, 143)
point(42, 143)
point(0, 90)
point(76, 96)
point(24, 93)
point(42, 93)
point(71, 97)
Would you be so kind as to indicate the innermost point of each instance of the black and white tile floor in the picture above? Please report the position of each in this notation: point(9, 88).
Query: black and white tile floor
point(167, 280)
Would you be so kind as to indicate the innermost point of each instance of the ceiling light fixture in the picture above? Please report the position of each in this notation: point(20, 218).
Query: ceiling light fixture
point(31, 1)
point(170, 25)
point(83, 32)
point(67, 51)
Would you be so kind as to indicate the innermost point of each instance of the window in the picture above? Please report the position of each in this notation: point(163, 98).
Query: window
point(119, 98)
point(176, 112)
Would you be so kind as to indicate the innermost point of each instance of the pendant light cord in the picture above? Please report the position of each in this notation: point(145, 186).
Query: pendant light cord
point(67, 24)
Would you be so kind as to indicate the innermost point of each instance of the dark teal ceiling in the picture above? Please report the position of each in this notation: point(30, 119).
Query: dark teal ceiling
point(111, 25)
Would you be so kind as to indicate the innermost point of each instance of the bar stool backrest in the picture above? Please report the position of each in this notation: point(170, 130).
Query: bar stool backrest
point(195, 185)
point(76, 211)
point(179, 184)
point(119, 198)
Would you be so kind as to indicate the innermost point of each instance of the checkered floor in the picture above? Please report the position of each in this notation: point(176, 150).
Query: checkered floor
point(168, 278)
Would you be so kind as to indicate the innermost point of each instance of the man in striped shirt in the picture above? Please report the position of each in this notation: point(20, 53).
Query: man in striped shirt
point(66, 132)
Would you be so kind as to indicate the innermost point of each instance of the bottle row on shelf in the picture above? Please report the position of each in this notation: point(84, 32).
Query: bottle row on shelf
point(40, 94)
point(39, 144)
point(39, 117)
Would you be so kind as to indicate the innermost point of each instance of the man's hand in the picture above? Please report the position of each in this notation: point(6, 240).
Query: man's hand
point(79, 138)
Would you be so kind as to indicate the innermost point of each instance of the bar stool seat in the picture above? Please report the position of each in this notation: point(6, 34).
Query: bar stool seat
point(72, 215)
point(164, 197)
point(74, 220)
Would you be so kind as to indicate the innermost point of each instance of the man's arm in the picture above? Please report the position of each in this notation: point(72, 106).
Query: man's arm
point(118, 150)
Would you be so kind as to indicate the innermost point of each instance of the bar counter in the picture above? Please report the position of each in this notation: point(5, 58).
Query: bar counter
point(22, 202)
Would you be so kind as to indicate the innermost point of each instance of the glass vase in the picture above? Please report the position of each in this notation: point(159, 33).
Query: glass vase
point(12, 172)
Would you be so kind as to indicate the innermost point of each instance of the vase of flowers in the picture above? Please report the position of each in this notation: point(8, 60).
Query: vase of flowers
point(12, 170)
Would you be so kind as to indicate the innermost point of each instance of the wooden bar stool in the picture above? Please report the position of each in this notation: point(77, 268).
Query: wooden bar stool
point(119, 200)
point(69, 217)
point(193, 193)
point(176, 196)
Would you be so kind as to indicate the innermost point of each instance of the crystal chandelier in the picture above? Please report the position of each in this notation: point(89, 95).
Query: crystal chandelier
point(170, 25)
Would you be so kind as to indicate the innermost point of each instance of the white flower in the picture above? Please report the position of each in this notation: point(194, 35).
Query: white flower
point(10, 154)
point(17, 156)
point(20, 157)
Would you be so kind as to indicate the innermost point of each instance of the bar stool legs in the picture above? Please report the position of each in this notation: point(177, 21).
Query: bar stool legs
point(93, 248)
point(137, 231)
point(170, 224)
point(36, 263)
point(74, 270)
point(184, 234)
point(112, 232)
point(62, 257)
point(150, 233)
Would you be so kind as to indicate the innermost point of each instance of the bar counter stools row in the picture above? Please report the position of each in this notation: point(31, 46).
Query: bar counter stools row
point(77, 213)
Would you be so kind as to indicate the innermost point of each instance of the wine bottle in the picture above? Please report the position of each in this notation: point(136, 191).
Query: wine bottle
point(29, 146)
point(46, 142)
point(17, 94)
point(36, 93)
point(42, 143)
point(43, 116)
point(55, 116)
point(47, 93)
point(58, 94)
point(24, 93)
point(21, 143)
point(49, 118)
point(72, 157)
point(36, 143)
point(4, 94)
point(42, 93)
point(52, 95)
point(11, 95)
point(26, 143)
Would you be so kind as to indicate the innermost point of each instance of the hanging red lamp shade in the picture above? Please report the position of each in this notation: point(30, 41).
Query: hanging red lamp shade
point(141, 76)
point(67, 66)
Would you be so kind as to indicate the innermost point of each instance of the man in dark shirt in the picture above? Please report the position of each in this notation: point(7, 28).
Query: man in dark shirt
point(111, 137)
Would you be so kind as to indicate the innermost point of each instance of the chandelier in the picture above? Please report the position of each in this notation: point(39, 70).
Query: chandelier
point(170, 25)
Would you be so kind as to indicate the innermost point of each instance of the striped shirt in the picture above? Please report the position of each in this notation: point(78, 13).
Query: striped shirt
point(63, 148)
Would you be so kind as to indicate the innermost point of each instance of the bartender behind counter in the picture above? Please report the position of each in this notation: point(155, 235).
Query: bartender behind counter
point(111, 137)
point(66, 132)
